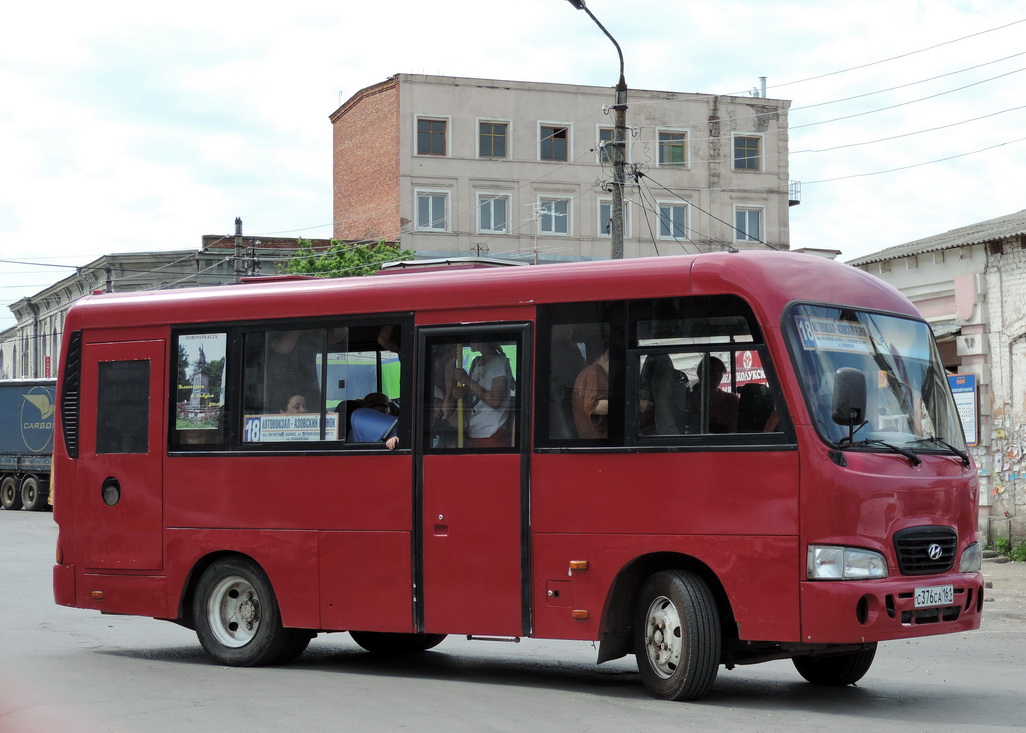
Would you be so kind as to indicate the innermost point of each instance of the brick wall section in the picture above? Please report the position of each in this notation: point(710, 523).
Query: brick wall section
point(365, 132)
point(1006, 287)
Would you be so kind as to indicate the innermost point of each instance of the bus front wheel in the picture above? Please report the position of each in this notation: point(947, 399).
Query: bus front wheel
point(836, 670)
point(389, 643)
point(677, 636)
point(237, 617)
point(10, 495)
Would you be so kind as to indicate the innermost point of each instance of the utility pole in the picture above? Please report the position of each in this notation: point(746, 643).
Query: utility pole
point(239, 264)
point(619, 155)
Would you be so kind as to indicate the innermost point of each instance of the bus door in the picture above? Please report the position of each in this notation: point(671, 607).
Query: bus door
point(119, 483)
point(472, 480)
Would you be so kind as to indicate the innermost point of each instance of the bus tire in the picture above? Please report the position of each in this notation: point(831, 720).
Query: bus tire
point(295, 644)
point(33, 497)
point(236, 615)
point(677, 636)
point(379, 642)
point(10, 494)
point(836, 670)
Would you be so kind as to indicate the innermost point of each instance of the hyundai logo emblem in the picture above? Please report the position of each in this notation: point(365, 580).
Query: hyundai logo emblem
point(934, 551)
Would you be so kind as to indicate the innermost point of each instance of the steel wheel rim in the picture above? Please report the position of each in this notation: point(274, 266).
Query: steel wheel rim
point(664, 642)
point(233, 611)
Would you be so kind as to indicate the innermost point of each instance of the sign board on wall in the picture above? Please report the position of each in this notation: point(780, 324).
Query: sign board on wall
point(963, 387)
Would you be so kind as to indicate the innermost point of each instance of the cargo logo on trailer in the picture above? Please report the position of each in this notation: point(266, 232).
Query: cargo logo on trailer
point(37, 419)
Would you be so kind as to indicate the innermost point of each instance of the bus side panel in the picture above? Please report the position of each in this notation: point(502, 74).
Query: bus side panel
point(366, 581)
point(288, 558)
point(734, 511)
point(739, 493)
point(757, 573)
point(370, 492)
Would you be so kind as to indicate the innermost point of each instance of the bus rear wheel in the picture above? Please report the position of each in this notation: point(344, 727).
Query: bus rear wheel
point(237, 618)
point(33, 497)
point(10, 495)
point(677, 636)
point(388, 643)
point(836, 670)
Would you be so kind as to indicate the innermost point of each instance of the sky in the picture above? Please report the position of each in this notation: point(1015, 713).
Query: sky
point(129, 127)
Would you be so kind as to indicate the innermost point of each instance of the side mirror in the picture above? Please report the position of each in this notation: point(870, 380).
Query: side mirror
point(849, 400)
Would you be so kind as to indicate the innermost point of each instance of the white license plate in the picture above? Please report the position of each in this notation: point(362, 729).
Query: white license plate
point(938, 595)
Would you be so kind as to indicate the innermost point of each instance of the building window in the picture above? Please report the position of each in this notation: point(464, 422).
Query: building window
point(747, 153)
point(492, 138)
point(431, 215)
point(492, 214)
point(604, 148)
point(605, 218)
point(747, 225)
point(673, 221)
point(673, 148)
point(554, 142)
point(554, 216)
point(431, 137)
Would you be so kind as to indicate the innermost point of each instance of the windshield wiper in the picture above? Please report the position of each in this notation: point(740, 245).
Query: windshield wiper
point(912, 457)
point(937, 441)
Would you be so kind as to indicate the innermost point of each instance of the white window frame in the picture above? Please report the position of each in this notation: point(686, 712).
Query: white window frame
point(678, 204)
point(492, 196)
point(761, 158)
point(687, 148)
point(746, 237)
point(493, 121)
point(448, 135)
point(607, 204)
point(569, 140)
point(542, 201)
point(598, 144)
point(419, 193)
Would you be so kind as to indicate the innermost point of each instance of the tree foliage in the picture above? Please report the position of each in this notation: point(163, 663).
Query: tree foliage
point(343, 259)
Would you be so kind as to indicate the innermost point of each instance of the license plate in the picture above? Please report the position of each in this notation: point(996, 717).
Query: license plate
point(938, 595)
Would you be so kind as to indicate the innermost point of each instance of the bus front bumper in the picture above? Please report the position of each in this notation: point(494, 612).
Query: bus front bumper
point(847, 612)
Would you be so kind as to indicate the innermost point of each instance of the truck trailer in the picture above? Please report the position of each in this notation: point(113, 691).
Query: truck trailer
point(26, 442)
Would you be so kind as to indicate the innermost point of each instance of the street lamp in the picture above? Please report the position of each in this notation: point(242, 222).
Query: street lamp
point(619, 142)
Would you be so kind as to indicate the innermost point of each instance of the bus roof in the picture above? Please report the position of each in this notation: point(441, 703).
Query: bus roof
point(767, 280)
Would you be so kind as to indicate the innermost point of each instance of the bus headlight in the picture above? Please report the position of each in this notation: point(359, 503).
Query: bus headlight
point(972, 559)
point(831, 562)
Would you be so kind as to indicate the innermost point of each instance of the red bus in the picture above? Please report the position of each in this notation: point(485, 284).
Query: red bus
point(573, 462)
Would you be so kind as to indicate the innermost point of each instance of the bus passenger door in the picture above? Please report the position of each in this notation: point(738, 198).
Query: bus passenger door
point(472, 480)
point(119, 488)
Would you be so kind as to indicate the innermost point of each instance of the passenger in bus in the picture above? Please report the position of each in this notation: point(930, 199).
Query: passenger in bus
point(591, 400)
point(566, 362)
point(722, 405)
point(663, 397)
point(444, 416)
point(294, 405)
point(488, 387)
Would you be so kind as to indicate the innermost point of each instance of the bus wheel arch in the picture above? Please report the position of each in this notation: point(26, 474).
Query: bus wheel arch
point(618, 614)
point(236, 616)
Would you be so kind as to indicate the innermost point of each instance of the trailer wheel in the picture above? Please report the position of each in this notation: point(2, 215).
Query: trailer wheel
point(237, 618)
point(836, 670)
point(677, 636)
point(32, 495)
point(10, 494)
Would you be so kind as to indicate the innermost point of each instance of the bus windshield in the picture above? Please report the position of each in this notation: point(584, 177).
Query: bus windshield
point(908, 401)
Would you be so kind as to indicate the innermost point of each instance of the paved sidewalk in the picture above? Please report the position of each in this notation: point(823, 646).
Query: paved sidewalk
point(1004, 595)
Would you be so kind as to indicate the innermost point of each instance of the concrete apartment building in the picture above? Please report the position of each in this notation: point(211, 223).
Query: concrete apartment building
point(453, 166)
point(970, 284)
